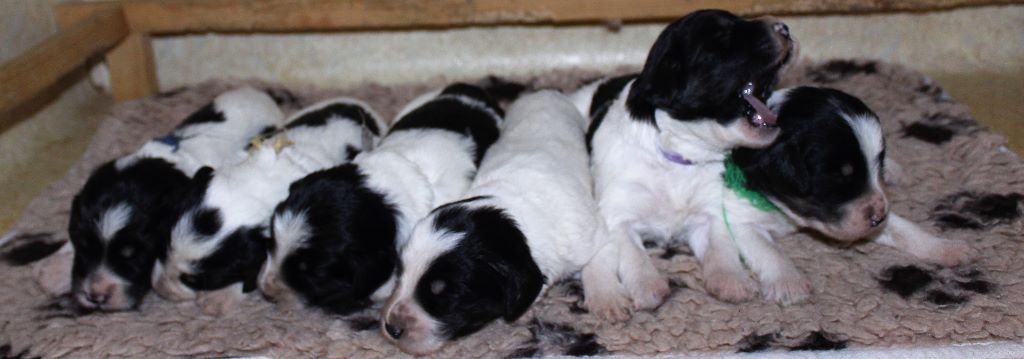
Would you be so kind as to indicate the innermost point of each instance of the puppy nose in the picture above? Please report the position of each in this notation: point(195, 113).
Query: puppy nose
point(877, 214)
point(96, 298)
point(782, 29)
point(393, 331)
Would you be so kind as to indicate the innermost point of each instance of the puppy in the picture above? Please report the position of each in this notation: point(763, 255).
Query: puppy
point(220, 241)
point(335, 236)
point(658, 140)
point(528, 220)
point(120, 219)
point(825, 171)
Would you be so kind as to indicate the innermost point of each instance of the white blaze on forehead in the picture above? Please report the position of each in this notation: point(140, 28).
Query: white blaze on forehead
point(869, 136)
point(113, 220)
point(425, 245)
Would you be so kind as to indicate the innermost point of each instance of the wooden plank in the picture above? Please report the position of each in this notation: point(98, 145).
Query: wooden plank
point(132, 69)
point(180, 16)
point(27, 75)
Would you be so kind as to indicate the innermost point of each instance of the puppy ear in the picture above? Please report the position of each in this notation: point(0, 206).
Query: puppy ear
point(522, 286)
point(519, 275)
point(203, 175)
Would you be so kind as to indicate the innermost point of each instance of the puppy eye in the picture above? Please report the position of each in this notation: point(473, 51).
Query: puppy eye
point(437, 286)
point(127, 251)
point(846, 169)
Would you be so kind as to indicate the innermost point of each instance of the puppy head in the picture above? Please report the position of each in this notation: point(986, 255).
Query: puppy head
point(345, 120)
point(825, 169)
point(464, 266)
point(460, 108)
point(334, 242)
point(711, 65)
point(119, 229)
point(208, 251)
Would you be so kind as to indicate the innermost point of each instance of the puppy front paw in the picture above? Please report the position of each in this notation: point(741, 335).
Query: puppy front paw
point(791, 288)
point(649, 292)
point(730, 286)
point(218, 302)
point(950, 253)
point(609, 305)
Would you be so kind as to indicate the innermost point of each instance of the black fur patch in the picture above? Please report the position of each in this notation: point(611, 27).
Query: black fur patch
point(281, 96)
point(207, 221)
point(347, 111)
point(489, 274)
point(350, 250)
point(30, 247)
point(237, 260)
point(819, 340)
point(566, 337)
point(754, 342)
point(905, 280)
point(837, 70)
point(456, 116)
point(928, 133)
point(205, 114)
point(476, 93)
point(604, 96)
point(976, 210)
point(941, 297)
point(501, 89)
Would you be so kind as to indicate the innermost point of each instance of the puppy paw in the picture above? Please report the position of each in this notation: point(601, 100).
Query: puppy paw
point(950, 253)
point(649, 292)
point(791, 288)
point(730, 287)
point(612, 306)
point(216, 303)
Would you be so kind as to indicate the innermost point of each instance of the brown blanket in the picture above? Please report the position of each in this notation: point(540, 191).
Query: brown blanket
point(959, 181)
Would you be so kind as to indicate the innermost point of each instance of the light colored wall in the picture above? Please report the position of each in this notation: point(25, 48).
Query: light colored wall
point(958, 41)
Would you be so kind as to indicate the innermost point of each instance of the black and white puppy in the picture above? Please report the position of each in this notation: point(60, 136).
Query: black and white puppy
point(528, 220)
point(120, 220)
point(337, 233)
point(825, 171)
point(219, 242)
point(658, 141)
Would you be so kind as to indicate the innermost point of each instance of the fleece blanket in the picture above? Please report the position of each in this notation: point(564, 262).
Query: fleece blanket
point(959, 181)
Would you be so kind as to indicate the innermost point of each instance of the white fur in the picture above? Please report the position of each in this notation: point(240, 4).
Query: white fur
point(113, 220)
point(537, 173)
point(247, 193)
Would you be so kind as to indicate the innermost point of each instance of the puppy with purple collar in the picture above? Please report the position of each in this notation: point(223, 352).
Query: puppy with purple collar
point(335, 237)
point(528, 220)
point(825, 171)
point(120, 224)
point(658, 140)
point(219, 242)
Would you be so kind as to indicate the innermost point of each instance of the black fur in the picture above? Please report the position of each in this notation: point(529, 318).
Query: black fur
point(699, 65)
point(151, 188)
point(803, 167)
point(351, 250)
point(31, 247)
point(205, 114)
point(343, 110)
point(476, 93)
point(976, 210)
point(490, 273)
point(604, 96)
point(905, 280)
point(456, 116)
point(237, 260)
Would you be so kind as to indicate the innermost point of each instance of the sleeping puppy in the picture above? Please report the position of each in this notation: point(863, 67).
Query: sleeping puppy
point(335, 236)
point(120, 219)
point(219, 241)
point(527, 221)
point(658, 140)
point(825, 171)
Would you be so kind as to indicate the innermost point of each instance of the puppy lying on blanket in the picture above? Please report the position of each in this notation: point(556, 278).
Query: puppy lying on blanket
point(121, 219)
point(335, 236)
point(527, 221)
point(220, 241)
point(825, 171)
point(658, 140)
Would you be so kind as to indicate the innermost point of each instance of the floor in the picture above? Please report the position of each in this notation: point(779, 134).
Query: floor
point(38, 151)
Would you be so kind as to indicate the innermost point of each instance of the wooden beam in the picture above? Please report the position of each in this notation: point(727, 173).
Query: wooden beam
point(132, 69)
point(183, 16)
point(27, 75)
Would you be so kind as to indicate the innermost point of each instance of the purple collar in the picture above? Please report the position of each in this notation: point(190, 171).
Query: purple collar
point(675, 157)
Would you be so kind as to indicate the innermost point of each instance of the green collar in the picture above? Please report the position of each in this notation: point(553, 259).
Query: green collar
point(737, 182)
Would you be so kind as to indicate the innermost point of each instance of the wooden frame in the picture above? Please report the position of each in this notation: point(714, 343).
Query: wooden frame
point(121, 30)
